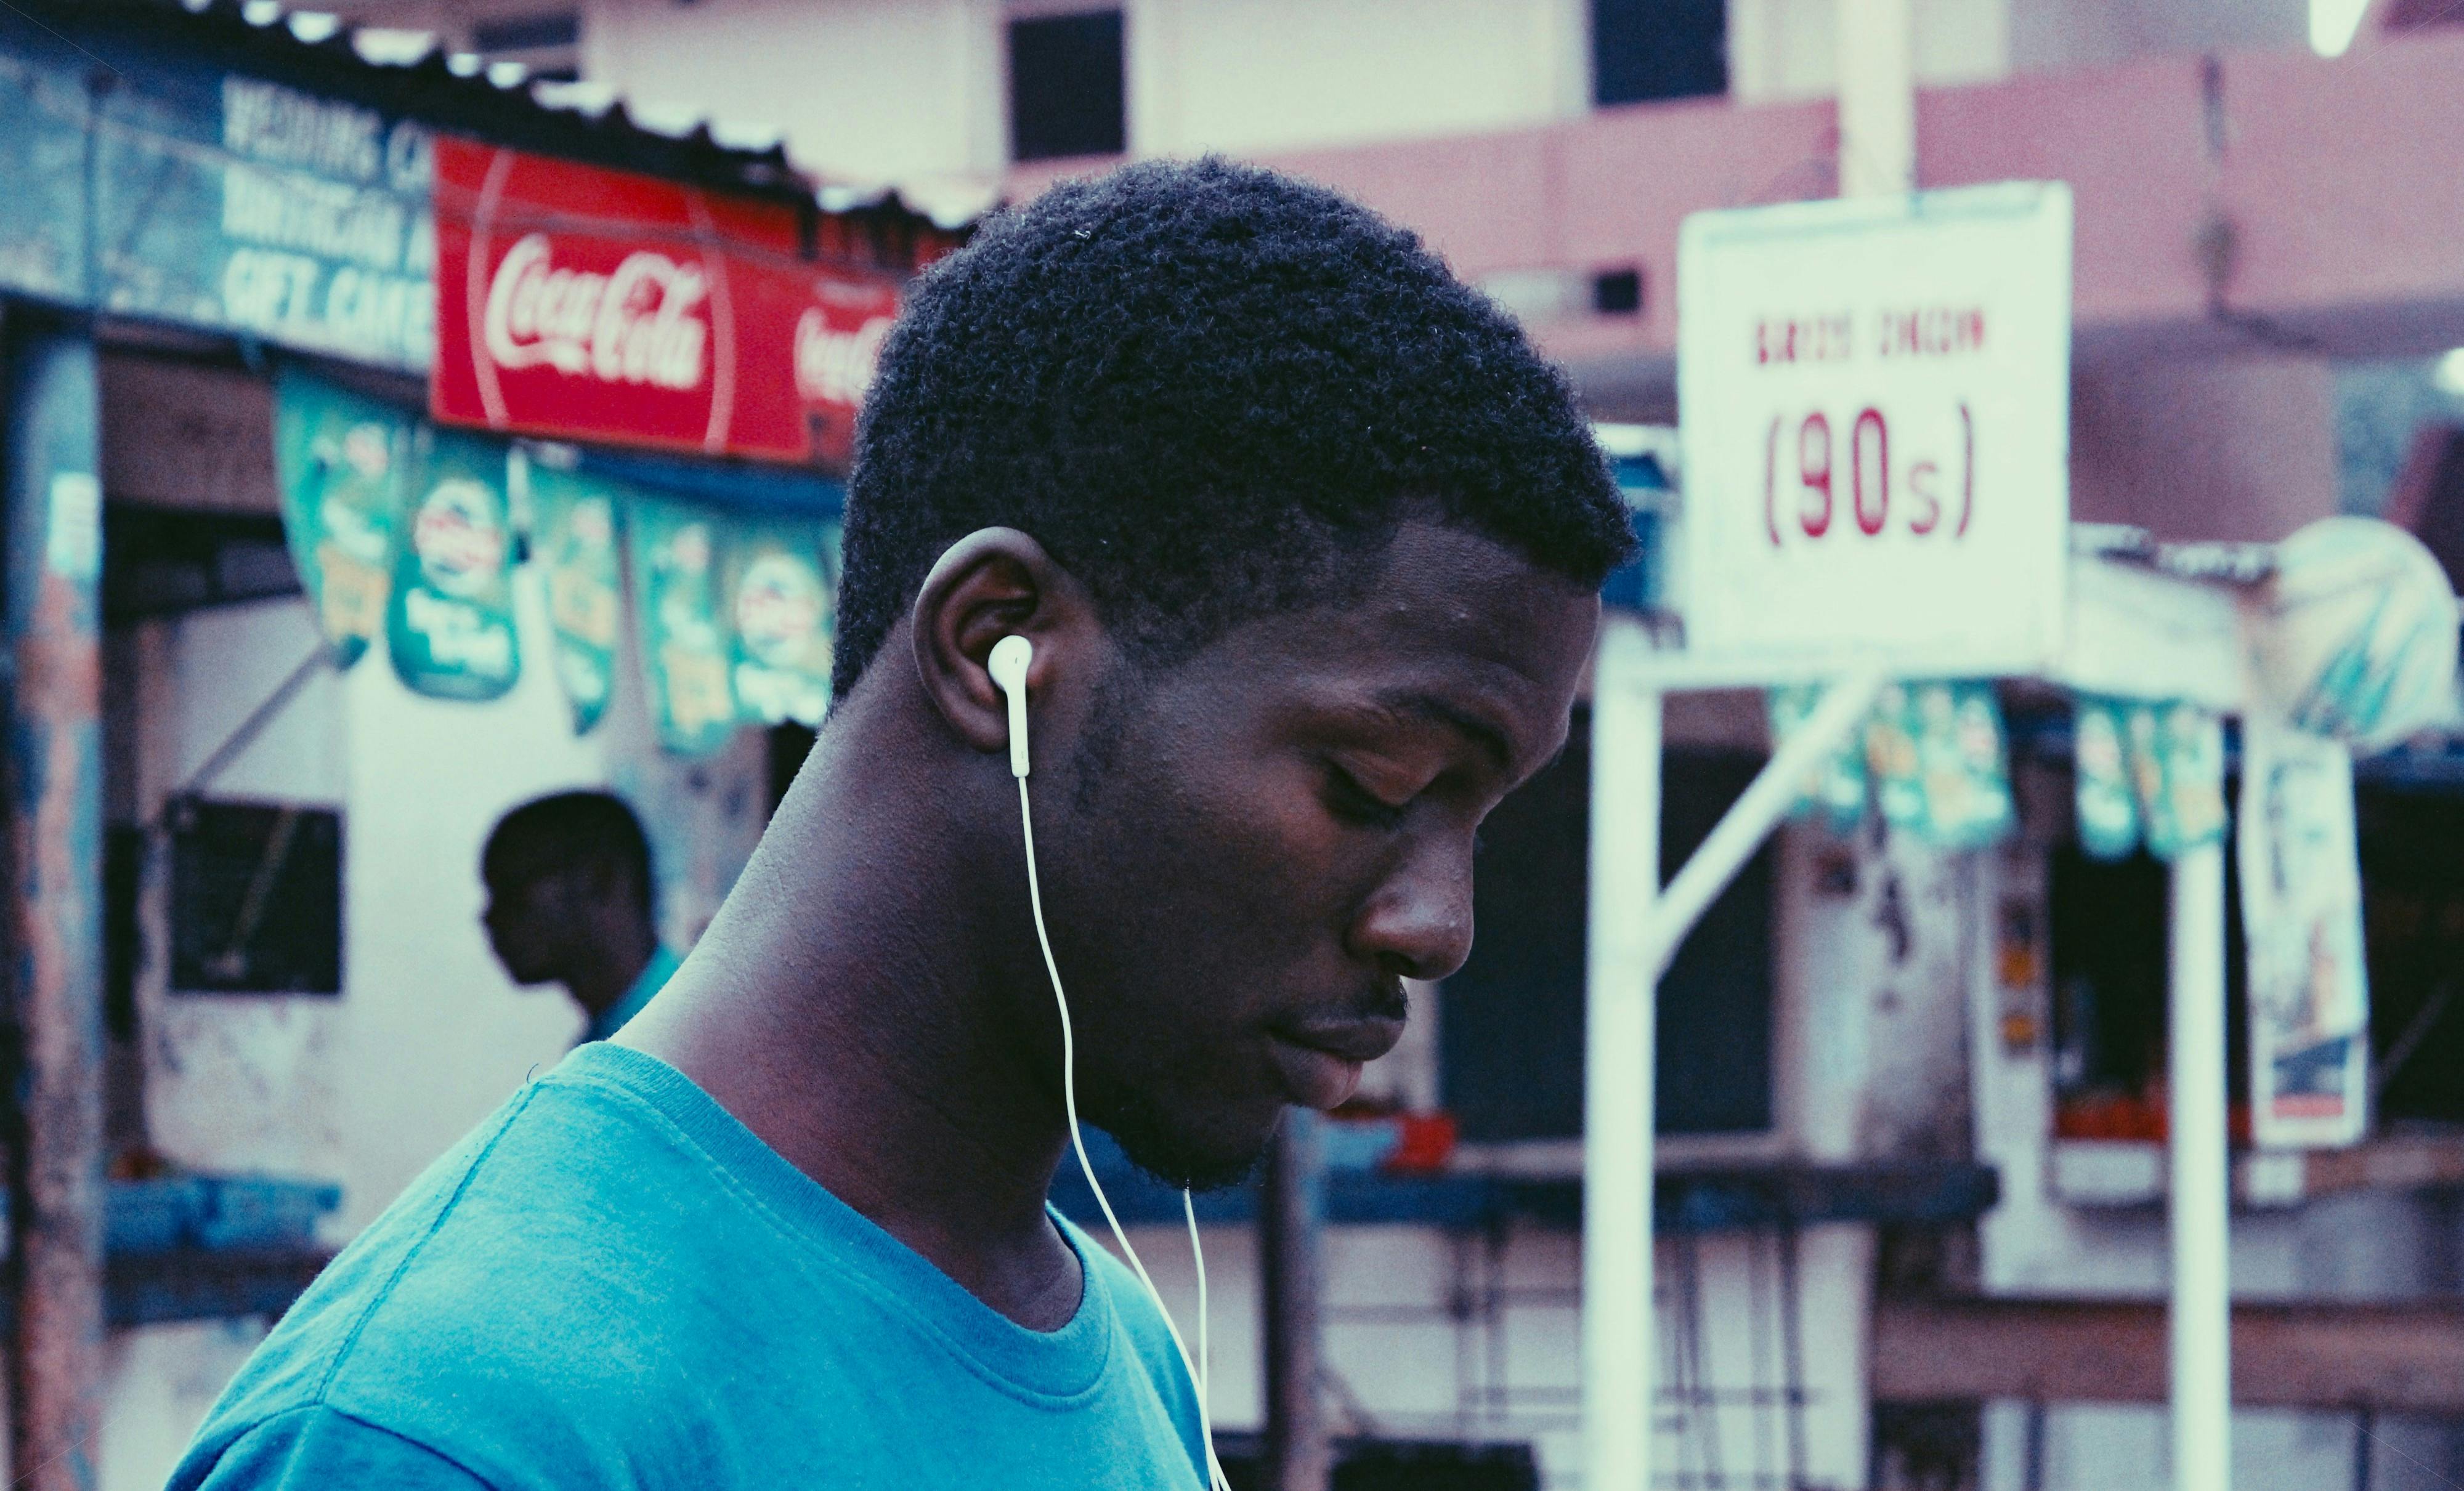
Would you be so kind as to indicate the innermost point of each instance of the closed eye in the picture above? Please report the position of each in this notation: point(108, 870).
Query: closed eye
point(1356, 804)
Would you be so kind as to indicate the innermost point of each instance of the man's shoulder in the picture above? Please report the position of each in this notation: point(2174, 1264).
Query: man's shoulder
point(505, 1282)
point(317, 1446)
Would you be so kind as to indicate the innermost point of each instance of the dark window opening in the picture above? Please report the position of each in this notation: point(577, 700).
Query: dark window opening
point(2110, 962)
point(2111, 940)
point(1618, 292)
point(2111, 947)
point(527, 32)
point(2412, 908)
point(1643, 50)
point(257, 898)
point(1067, 93)
point(1511, 1030)
point(790, 744)
point(164, 561)
point(1714, 1069)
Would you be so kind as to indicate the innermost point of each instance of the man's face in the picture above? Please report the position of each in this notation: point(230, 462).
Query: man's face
point(1263, 842)
point(528, 917)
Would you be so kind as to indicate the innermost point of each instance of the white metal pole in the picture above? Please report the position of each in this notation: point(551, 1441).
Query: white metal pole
point(1766, 800)
point(1620, 1005)
point(2202, 1299)
point(1877, 100)
point(1634, 930)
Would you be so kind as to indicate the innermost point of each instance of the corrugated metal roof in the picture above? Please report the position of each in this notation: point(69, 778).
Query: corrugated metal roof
point(409, 74)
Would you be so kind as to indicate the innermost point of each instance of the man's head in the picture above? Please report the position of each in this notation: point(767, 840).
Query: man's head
point(563, 872)
point(1308, 540)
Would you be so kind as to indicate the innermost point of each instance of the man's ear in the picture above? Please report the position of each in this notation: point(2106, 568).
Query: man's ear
point(993, 584)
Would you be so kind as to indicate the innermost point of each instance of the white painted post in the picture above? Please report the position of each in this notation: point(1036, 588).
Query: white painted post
point(2202, 1301)
point(1878, 99)
point(1620, 1005)
point(1769, 798)
point(1634, 930)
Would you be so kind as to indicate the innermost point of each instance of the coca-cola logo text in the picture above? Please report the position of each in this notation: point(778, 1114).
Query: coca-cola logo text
point(459, 541)
point(641, 324)
point(834, 366)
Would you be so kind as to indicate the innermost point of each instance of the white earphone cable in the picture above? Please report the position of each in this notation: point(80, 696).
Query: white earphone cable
point(1070, 1098)
point(1198, 1256)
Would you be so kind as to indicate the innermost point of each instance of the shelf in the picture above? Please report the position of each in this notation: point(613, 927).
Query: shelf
point(2122, 1174)
point(162, 1288)
point(1692, 1199)
point(159, 1289)
point(2388, 1358)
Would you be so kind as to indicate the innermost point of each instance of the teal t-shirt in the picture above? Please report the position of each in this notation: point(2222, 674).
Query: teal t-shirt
point(614, 1284)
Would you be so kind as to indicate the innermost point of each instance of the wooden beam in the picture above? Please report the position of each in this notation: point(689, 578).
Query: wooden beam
point(2388, 1358)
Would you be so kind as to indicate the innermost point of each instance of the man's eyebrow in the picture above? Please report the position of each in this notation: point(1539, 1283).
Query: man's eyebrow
point(1480, 732)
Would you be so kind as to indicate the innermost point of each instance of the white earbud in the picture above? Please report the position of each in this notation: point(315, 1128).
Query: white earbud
point(1008, 667)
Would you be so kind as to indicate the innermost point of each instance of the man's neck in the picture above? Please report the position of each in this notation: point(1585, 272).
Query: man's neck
point(611, 962)
point(838, 1007)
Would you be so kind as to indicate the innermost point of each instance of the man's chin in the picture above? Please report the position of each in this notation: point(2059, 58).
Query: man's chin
point(1185, 1161)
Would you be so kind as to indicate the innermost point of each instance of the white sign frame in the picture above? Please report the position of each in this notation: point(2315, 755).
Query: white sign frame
point(1913, 353)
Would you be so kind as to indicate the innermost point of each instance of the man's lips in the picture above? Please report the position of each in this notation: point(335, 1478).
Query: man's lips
point(1320, 1060)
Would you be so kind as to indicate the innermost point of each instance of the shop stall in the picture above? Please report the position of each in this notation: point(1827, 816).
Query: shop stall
point(1875, 530)
point(387, 436)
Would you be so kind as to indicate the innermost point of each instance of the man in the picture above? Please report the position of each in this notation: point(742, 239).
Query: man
point(569, 902)
point(1307, 542)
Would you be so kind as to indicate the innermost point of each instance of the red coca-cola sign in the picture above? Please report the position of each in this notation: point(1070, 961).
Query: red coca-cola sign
point(597, 305)
point(838, 332)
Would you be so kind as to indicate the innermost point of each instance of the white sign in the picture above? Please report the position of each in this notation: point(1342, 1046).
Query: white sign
point(1873, 400)
point(2301, 921)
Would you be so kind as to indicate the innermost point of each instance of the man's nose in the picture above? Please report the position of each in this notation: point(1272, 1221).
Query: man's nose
point(1418, 925)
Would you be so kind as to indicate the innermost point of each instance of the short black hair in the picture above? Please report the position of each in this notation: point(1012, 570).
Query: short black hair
point(566, 830)
point(1203, 387)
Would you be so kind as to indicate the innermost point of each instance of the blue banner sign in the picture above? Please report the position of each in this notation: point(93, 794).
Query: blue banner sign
point(159, 189)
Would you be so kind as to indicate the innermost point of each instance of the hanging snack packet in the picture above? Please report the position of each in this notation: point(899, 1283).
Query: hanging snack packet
point(2107, 801)
point(1834, 794)
point(1961, 754)
point(2187, 751)
point(1891, 756)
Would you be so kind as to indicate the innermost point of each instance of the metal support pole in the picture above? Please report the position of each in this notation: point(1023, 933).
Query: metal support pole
point(1741, 830)
point(1618, 1045)
point(54, 555)
point(1634, 930)
point(1878, 99)
point(2201, 1296)
point(1292, 1222)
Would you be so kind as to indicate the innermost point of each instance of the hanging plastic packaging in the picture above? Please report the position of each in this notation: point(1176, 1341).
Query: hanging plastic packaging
point(1834, 795)
point(340, 459)
point(2106, 798)
point(574, 541)
point(2178, 762)
point(684, 641)
point(450, 624)
point(2301, 919)
point(1963, 765)
point(781, 594)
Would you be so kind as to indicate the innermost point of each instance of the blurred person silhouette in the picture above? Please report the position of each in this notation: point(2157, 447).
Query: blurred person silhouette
point(570, 902)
